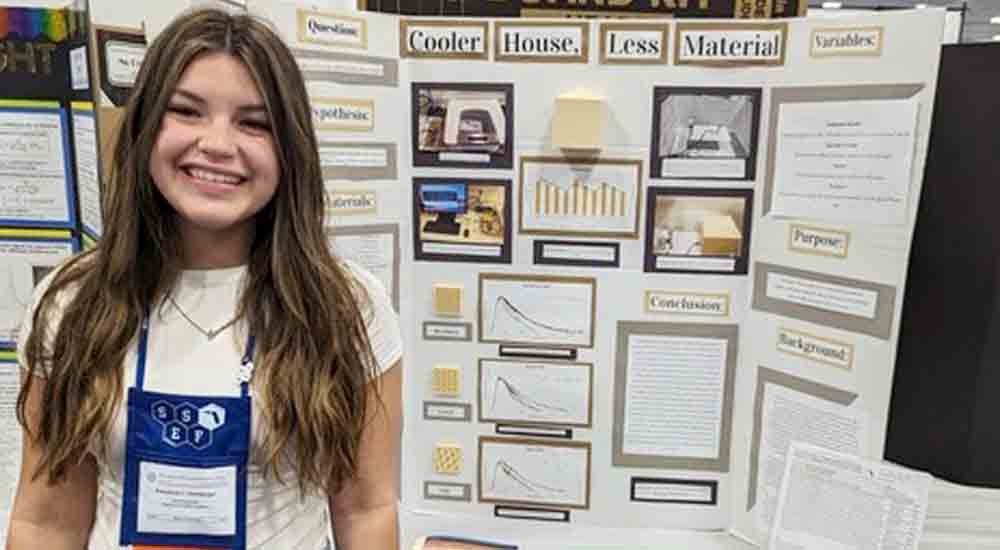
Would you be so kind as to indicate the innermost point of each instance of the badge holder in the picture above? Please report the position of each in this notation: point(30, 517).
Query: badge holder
point(186, 465)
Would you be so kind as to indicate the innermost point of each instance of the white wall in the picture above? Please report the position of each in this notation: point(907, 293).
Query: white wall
point(952, 23)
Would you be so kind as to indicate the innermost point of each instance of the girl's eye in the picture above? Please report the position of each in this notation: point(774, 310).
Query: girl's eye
point(182, 110)
point(258, 125)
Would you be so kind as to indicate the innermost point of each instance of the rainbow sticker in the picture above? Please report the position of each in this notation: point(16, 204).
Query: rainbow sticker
point(34, 23)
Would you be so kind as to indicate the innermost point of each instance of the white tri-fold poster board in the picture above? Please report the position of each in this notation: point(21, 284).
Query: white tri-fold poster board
point(629, 336)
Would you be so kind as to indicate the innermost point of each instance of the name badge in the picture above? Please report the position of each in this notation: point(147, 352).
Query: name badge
point(178, 500)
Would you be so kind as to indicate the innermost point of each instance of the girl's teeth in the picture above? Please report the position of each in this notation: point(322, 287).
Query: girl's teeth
point(212, 176)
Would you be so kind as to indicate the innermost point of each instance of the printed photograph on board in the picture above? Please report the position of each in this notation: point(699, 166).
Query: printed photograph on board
point(463, 125)
point(704, 133)
point(462, 220)
point(696, 230)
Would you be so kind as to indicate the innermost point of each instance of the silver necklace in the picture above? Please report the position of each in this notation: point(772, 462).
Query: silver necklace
point(209, 333)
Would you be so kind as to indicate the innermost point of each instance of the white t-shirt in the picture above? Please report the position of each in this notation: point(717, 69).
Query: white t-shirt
point(182, 360)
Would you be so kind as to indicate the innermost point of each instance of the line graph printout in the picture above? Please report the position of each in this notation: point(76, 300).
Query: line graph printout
point(528, 471)
point(537, 310)
point(23, 263)
point(535, 392)
point(597, 197)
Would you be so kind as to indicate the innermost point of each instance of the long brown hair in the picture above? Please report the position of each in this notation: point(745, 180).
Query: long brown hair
point(313, 355)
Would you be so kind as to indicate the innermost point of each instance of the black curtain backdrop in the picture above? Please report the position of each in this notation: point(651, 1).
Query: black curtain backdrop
point(945, 411)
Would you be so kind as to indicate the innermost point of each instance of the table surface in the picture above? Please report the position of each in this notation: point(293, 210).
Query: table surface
point(958, 518)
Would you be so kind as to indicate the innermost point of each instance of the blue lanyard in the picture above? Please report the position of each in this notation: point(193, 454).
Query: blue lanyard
point(140, 369)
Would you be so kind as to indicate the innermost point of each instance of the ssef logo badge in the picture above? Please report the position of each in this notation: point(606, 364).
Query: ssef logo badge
point(186, 424)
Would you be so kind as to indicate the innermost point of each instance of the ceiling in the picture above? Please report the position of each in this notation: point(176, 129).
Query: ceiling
point(977, 25)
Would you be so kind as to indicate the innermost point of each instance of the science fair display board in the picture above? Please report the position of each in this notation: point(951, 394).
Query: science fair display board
point(640, 259)
point(634, 261)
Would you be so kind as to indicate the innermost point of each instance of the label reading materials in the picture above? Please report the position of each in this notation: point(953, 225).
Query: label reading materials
point(687, 303)
point(730, 44)
point(634, 43)
point(542, 42)
point(814, 240)
point(351, 203)
point(823, 350)
point(332, 30)
point(840, 42)
point(444, 40)
point(344, 115)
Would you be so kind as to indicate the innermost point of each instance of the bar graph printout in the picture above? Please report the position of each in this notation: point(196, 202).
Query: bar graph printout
point(596, 198)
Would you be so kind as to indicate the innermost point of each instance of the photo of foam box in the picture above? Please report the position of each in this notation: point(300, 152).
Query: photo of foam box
point(719, 235)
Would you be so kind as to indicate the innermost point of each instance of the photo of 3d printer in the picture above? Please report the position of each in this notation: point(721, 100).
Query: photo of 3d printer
point(457, 219)
point(698, 230)
point(704, 133)
point(463, 125)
